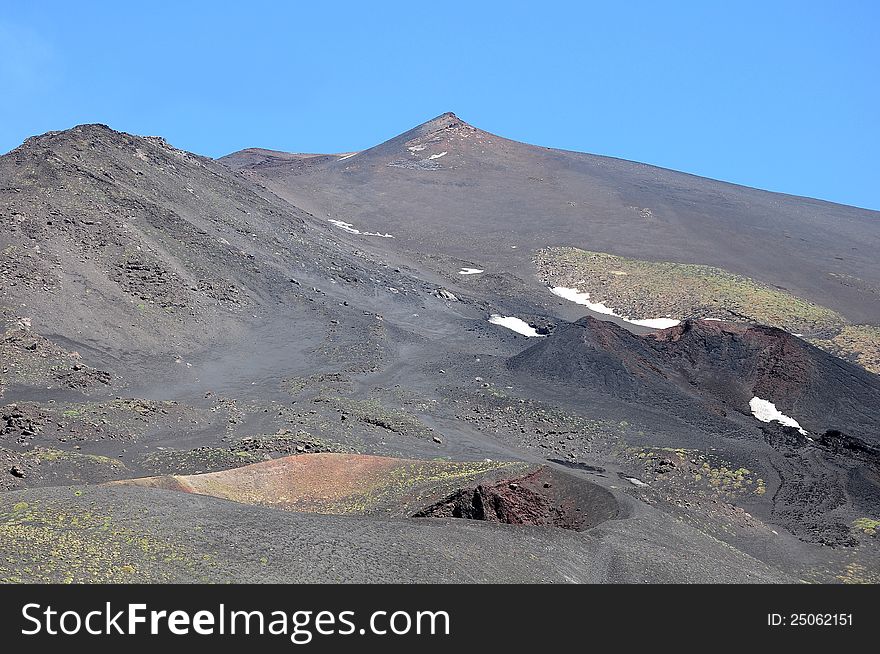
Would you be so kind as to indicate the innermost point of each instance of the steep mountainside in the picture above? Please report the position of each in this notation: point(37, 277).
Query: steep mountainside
point(781, 403)
point(126, 244)
point(450, 187)
point(712, 367)
point(354, 354)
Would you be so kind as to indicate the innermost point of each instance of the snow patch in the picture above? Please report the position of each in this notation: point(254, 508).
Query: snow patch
point(341, 224)
point(347, 156)
point(655, 323)
point(470, 271)
point(514, 323)
point(635, 482)
point(437, 156)
point(574, 295)
point(351, 229)
point(766, 411)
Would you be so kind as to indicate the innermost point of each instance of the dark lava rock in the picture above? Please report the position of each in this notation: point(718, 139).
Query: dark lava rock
point(543, 498)
point(443, 294)
point(700, 371)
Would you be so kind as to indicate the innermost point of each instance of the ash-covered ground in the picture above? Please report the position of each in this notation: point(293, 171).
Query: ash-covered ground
point(279, 367)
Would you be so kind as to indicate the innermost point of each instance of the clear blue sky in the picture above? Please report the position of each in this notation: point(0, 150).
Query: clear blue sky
point(777, 95)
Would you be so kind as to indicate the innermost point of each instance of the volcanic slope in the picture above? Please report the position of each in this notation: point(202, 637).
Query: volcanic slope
point(697, 365)
point(125, 241)
point(812, 465)
point(490, 203)
point(128, 249)
point(125, 534)
point(169, 318)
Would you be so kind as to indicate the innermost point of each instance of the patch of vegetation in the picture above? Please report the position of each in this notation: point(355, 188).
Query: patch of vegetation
point(142, 407)
point(695, 469)
point(124, 419)
point(531, 423)
point(51, 455)
point(240, 452)
point(856, 573)
point(51, 544)
point(194, 461)
point(856, 343)
point(647, 289)
point(728, 480)
point(868, 526)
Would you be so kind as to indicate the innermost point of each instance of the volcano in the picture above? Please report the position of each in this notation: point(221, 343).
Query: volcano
point(432, 360)
point(448, 187)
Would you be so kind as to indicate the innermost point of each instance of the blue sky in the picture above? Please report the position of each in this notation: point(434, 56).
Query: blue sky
point(778, 95)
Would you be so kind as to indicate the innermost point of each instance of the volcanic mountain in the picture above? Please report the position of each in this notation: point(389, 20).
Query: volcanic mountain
point(450, 188)
point(388, 365)
point(128, 248)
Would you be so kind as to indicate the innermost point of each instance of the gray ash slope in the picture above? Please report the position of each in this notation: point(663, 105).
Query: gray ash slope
point(698, 378)
point(168, 314)
point(124, 246)
point(706, 370)
point(193, 538)
point(448, 186)
point(104, 217)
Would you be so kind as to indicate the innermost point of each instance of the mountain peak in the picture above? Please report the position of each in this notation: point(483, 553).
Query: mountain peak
point(97, 138)
point(444, 121)
point(447, 124)
point(79, 135)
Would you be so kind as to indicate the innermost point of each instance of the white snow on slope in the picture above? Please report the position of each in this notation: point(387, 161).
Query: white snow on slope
point(437, 156)
point(516, 324)
point(655, 323)
point(347, 156)
point(351, 229)
point(574, 295)
point(766, 411)
point(470, 271)
point(343, 225)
